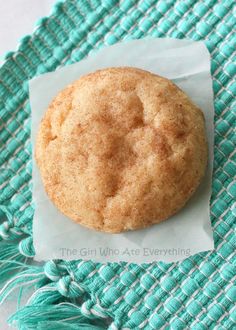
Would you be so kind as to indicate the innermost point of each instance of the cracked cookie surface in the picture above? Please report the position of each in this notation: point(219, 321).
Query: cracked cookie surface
point(121, 149)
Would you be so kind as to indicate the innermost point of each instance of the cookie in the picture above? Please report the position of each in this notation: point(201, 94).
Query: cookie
point(121, 149)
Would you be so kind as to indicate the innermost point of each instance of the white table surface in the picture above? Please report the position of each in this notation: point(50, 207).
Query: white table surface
point(17, 18)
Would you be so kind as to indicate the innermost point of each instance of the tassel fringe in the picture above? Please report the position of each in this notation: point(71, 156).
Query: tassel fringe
point(58, 317)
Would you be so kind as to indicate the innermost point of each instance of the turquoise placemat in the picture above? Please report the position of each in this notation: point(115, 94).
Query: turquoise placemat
point(198, 293)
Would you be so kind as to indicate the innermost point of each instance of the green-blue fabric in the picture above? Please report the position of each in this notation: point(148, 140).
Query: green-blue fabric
point(197, 293)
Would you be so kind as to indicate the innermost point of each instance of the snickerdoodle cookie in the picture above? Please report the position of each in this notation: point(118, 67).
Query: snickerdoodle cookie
point(121, 149)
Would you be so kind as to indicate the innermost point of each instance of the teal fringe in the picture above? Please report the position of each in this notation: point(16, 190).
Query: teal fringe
point(54, 317)
point(11, 260)
point(27, 277)
point(46, 295)
point(46, 309)
point(66, 326)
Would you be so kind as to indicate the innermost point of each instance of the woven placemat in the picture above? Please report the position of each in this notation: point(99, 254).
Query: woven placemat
point(197, 293)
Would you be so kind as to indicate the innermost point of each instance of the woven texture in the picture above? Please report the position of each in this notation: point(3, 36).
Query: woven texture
point(197, 293)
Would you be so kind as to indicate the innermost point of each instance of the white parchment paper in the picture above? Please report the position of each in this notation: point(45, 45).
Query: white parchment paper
point(187, 63)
